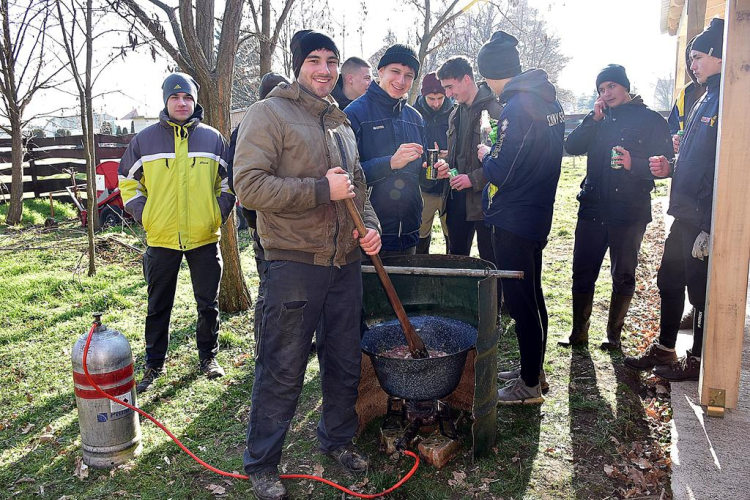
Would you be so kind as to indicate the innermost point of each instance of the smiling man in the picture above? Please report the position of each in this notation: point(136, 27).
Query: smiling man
point(174, 181)
point(615, 199)
point(392, 145)
point(355, 78)
point(296, 160)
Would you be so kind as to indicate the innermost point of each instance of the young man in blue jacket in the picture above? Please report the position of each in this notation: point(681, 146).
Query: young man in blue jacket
point(684, 263)
point(392, 148)
point(522, 168)
point(615, 199)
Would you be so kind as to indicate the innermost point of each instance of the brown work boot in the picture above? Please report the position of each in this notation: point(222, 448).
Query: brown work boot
point(654, 355)
point(268, 486)
point(151, 374)
point(685, 368)
point(351, 458)
point(579, 334)
point(211, 368)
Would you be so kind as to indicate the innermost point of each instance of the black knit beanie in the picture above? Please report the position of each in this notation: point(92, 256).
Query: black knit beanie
point(179, 82)
point(401, 54)
point(305, 41)
point(268, 82)
point(613, 73)
point(498, 57)
point(711, 40)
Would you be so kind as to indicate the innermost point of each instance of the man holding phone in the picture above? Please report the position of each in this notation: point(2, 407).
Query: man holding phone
point(618, 137)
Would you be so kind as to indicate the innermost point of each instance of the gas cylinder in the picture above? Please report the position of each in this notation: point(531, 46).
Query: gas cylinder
point(110, 432)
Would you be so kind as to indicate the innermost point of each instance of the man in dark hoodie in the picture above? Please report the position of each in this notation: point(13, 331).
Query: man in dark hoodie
point(522, 168)
point(174, 181)
point(688, 95)
point(392, 148)
point(684, 263)
point(464, 201)
point(435, 109)
point(615, 199)
point(355, 78)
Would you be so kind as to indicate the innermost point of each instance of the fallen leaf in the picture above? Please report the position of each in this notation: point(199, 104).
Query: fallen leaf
point(47, 438)
point(609, 470)
point(26, 428)
point(318, 470)
point(82, 470)
point(167, 460)
point(25, 480)
point(661, 390)
point(216, 489)
point(516, 458)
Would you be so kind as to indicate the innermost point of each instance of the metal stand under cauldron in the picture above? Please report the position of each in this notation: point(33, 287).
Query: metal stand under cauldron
point(452, 302)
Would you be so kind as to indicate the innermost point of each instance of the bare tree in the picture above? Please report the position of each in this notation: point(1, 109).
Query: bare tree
point(268, 36)
point(194, 52)
point(26, 71)
point(434, 32)
point(664, 93)
point(306, 14)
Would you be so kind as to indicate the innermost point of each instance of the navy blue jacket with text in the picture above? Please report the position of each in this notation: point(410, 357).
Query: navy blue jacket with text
point(381, 124)
point(692, 193)
point(523, 166)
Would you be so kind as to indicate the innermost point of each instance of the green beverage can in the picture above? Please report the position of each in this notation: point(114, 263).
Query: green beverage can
point(615, 156)
point(432, 159)
point(453, 172)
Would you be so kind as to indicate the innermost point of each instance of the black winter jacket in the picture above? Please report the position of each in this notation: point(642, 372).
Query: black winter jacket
point(436, 129)
point(692, 192)
point(523, 166)
point(619, 196)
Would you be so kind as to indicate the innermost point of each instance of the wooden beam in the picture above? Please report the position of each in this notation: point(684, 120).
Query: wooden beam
point(730, 234)
point(696, 17)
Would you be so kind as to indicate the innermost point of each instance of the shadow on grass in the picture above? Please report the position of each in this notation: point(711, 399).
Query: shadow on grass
point(596, 428)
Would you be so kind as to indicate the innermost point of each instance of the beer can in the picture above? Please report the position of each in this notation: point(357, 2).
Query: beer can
point(432, 159)
point(453, 172)
point(615, 156)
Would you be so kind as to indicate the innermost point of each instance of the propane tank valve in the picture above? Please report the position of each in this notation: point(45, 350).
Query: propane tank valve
point(97, 318)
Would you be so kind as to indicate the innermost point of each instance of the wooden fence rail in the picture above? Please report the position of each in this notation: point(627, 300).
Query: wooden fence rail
point(47, 159)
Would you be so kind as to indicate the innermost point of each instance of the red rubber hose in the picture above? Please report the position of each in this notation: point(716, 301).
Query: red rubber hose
point(230, 474)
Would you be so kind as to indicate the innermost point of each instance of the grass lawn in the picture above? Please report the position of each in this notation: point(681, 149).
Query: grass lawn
point(601, 432)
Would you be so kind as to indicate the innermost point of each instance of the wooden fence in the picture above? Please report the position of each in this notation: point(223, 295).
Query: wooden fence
point(48, 161)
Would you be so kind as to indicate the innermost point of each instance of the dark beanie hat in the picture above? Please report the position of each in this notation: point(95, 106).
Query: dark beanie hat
point(431, 85)
point(711, 40)
point(613, 73)
point(400, 54)
point(498, 57)
point(305, 41)
point(179, 82)
point(268, 82)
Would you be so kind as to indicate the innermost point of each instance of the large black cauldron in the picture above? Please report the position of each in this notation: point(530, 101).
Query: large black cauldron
point(420, 379)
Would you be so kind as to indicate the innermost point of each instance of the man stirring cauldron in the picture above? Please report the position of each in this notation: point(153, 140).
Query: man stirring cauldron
point(296, 157)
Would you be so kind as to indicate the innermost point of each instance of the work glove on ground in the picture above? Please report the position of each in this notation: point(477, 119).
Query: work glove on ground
point(700, 247)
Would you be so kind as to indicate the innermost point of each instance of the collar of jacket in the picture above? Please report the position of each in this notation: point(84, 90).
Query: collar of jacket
point(713, 82)
point(381, 97)
point(309, 101)
point(483, 94)
point(194, 120)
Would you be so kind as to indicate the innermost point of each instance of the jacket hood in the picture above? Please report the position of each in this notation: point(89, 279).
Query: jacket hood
point(425, 110)
point(194, 119)
point(484, 94)
point(338, 93)
point(382, 98)
point(309, 101)
point(534, 81)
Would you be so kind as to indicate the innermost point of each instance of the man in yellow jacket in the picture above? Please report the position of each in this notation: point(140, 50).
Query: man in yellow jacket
point(173, 179)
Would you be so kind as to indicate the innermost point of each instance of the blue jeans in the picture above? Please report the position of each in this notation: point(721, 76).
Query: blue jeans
point(298, 297)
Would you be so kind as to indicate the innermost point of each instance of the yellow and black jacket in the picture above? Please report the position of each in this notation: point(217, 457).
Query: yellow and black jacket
point(173, 180)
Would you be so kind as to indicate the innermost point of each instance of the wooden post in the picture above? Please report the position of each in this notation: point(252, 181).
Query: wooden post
point(730, 234)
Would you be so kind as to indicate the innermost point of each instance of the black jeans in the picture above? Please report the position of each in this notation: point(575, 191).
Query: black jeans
point(524, 298)
point(461, 232)
point(298, 298)
point(680, 270)
point(160, 268)
point(591, 243)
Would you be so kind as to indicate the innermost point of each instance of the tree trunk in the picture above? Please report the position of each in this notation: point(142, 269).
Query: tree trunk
point(15, 210)
point(87, 120)
point(234, 295)
point(266, 48)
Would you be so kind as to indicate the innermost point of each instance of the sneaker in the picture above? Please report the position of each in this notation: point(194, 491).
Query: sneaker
point(685, 368)
point(516, 373)
point(268, 486)
point(351, 458)
point(151, 374)
point(653, 356)
point(517, 392)
point(211, 369)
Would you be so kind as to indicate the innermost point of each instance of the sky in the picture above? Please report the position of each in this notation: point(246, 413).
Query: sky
point(593, 33)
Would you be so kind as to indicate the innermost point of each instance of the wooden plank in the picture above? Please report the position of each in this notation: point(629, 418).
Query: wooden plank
point(44, 186)
point(730, 232)
point(46, 154)
point(57, 168)
point(37, 142)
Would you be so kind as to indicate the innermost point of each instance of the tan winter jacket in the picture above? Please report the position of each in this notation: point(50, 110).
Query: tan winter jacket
point(285, 145)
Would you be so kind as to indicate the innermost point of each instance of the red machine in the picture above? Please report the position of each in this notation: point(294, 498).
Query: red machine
point(108, 199)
